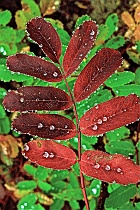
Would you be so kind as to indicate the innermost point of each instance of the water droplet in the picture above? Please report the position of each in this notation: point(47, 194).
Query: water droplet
point(40, 45)
point(94, 190)
point(21, 100)
point(92, 33)
point(99, 121)
point(26, 147)
point(91, 37)
point(87, 119)
point(85, 43)
point(39, 27)
point(52, 127)
point(51, 155)
point(119, 170)
point(55, 74)
point(66, 126)
point(45, 74)
point(94, 127)
point(104, 118)
point(46, 154)
point(40, 125)
point(107, 168)
point(97, 165)
point(81, 55)
point(96, 107)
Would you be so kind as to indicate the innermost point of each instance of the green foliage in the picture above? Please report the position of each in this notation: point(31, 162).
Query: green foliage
point(120, 196)
point(5, 17)
point(115, 42)
point(27, 185)
point(120, 79)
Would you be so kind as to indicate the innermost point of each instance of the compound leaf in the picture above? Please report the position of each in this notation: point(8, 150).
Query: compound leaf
point(34, 66)
point(110, 115)
point(46, 37)
point(100, 67)
point(80, 43)
point(50, 126)
point(109, 168)
point(37, 98)
point(50, 154)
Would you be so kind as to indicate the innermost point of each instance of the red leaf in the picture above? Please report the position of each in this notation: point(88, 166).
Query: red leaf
point(37, 98)
point(109, 168)
point(46, 37)
point(49, 154)
point(100, 67)
point(80, 44)
point(50, 126)
point(110, 115)
point(34, 66)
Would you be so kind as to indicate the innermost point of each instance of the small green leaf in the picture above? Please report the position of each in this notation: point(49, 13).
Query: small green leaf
point(111, 22)
point(127, 89)
point(73, 180)
point(92, 204)
point(27, 202)
point(57, 204)
point(5, 17)
point(19, 35)
point(59, 175)
point(134, 56)
point(120, 79)
point(128, 206)
point(95, 188)
point(123, 147)
point(2, 112)
point(137, 76)
point(44, 186)
point(115, 42)
point(27, 185)
point(138, 46)
point(5, 125)
point(57, 186)
point(30, 169)
point(2, 93)
point(118, 134)
point(81, 20)
point(41, 173)
point(120, 196)
point(103, 32)
point(7, 76)
point(74, 204)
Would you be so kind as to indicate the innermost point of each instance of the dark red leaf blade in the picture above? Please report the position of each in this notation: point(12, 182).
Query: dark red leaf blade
point(46, 37)
point(49, 154)
point(109, 168)
point(51, 126)
point(110, 115)
point(34, 66)
point(80, 44)
point(37, 98)
point(100, 67)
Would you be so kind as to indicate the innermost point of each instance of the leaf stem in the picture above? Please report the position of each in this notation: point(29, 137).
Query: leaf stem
point(79, 139)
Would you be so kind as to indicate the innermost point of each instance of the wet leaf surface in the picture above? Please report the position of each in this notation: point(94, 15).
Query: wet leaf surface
point(50, 126)
point(50, 154)
point(109, 168)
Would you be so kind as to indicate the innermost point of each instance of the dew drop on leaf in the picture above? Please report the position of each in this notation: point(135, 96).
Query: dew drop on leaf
point(119, 170)
point(95, 127)
point(97, 165)
point(92, 33)
point(55, 74)
point(104, 118)
point(45, 74)
point(51, 155)
point(46, 154)
point(40, 125)
point(21, 100)
point(99, 121)
point(26, 147)
point(107, 168)
point(52, 127)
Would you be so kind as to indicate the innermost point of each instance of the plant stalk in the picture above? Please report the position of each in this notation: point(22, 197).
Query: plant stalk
point(79, 140)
